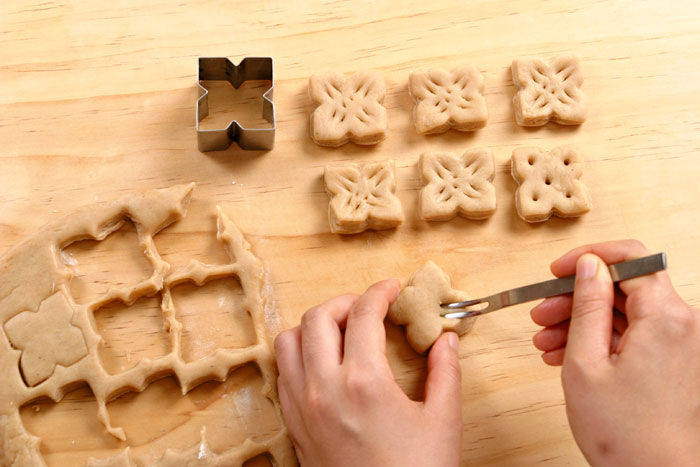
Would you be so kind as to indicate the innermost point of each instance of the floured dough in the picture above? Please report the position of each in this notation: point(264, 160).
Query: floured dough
point(548, 183)
point(49, 343)
point(448, 99)
point(418, 307)
point(548, 91)
point(348, 108)
point(457, 185)
point(362, 197)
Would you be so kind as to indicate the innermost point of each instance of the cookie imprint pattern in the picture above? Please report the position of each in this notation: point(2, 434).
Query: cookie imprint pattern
point(457, 185)
point(548, 91)
point(348, 108)
point(362, 197)
point(548, 183)
point(448, 99)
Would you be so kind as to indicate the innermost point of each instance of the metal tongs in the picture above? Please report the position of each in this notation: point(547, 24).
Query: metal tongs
point(618, 272)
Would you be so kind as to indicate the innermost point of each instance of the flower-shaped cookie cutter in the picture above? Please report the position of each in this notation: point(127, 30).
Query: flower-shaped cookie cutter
point(457, 185)
point(548, 183)
point(548, 91)
point(348, 108)
point(222, 69)
point(445, 100)
point(362, 197)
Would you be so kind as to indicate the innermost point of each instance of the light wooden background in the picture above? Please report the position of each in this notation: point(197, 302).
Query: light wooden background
point(97, 99)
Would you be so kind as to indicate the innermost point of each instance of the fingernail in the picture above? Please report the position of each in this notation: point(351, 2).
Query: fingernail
point(586, 267)
point(453, 340)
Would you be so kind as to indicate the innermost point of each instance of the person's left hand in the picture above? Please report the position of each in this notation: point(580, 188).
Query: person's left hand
point(339, 399)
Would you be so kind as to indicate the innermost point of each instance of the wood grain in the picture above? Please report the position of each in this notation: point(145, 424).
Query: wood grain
point(98, 100)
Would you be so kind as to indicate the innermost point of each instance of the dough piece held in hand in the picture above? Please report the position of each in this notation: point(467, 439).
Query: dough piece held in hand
point(418, 307)
point(362, 197)
point(549, 183)
point(548, 91)
point(348, 108)
point(457, 185)
point(447, 100)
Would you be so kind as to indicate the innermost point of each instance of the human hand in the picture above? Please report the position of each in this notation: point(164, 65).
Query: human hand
point(631, 360)
point(339, 399)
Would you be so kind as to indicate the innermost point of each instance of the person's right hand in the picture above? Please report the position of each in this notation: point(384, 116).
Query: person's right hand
point(631, 360)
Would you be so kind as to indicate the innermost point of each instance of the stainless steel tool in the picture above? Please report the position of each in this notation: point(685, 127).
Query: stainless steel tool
point(222, 69)
point(618, 272)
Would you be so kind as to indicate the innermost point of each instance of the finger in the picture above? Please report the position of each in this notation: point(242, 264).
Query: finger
point(289, 360)
point(552, 337)
point(321, 340)
point(443, 385)
point(591, 312)
point(554, 357)
point(365, 337)
point(609, 252)
point(615, 342)
point(553, 310)
point(619, 322)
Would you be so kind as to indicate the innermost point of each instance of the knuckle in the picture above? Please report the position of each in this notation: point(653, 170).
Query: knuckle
point(364, 309)
point(317, 401)
point(360, 384)
point(310, 316)
point(588, 303)
point(282, 340)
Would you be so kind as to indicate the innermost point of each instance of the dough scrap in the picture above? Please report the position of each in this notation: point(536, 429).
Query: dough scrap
point(35, 297)
point(362, 197)
point(448, 99)
point(457, 185)
point(348, 108)
point(548, 183)
point(548, 91)
point(418, 307)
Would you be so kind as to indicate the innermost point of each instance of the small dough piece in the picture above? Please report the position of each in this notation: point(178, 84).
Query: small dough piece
point(548, 183)
point(362, 197)
point(418, 307)
point(548, 91)
point(348, 108)
point(447, 100)
point(457, 185)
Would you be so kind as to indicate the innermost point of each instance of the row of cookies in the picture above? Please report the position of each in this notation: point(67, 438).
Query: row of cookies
point(351, 108)
point(363, 196)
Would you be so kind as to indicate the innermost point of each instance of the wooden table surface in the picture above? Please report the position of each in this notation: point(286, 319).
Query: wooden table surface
point(97, 99)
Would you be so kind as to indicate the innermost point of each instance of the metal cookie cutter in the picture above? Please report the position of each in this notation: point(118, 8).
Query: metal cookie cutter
point(222, 69)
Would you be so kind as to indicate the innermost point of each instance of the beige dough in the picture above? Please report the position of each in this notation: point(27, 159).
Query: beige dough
point(49, 343)
point(348, 108)
point(548, 91)
point(418, 307)
point(362, 197)
point(548, 183)
point(448, 99)
point(457, 185)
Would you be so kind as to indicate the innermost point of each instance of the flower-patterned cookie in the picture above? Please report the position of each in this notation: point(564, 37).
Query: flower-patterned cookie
point(549, 183)
point(548, 91)
point(457, 185)
point(418, 307)
point(445, 100)
point(362, 197)
point(348, 108)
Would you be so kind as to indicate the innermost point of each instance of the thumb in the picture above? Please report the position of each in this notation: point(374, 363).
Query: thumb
point(590, 330)
point(443, 386)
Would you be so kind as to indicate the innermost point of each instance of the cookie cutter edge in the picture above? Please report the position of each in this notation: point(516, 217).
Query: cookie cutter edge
point(222, 69)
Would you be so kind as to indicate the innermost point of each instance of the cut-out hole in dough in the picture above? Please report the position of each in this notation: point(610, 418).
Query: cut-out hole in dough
point(115, 262)
point(131, 333)
point(212, 317)
point(263, 460)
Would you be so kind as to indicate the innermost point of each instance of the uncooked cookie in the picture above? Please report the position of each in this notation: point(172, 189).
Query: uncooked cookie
point(548, 183)
point(348, 108)
point(418, 307)
point(448, 99)
point(457, 185)
point(548, 91)
point(49, 343)
point(362, 197)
